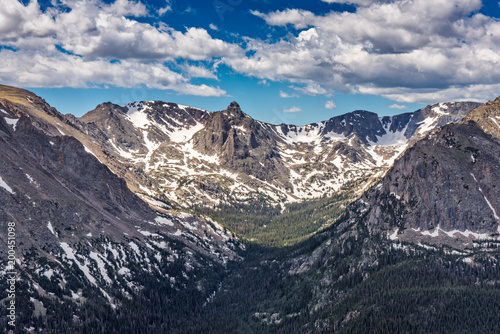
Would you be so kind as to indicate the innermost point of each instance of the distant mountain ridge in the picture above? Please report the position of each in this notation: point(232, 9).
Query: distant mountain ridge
point(169, 152)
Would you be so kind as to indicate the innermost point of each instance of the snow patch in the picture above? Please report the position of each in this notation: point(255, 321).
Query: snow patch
point(88, 151)
point(451, 234)
point(158, 257)
point(391, 138)
point(70, 254)
point(113, 251)
point(241, 128)
point(135, 248)
point(184, 107)
point(396, 195)
point(190, 152)
point(426, 125)
point(5, 186)
point(31, 179)
point(49, 273)
point(164, 221)
point(124, 271)
point(394, 236)
point(137, 116)
point(309, 134)
point(100, 265)
point(185, 134)
point(434, 234)
point(189, 226)
point(495, 121)
point(124, 154)
point(177, 233)
point(51, 229)
point(440, 109)
point(153, 201)
point(148, 234)
point(487, 201)
point(12, 122)
point(468, 234)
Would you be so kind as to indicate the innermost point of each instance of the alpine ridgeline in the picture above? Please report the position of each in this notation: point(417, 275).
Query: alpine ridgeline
point(189, 157)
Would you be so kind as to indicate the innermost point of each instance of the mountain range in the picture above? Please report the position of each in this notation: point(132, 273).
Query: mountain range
point(191, 157)
point(161, 217)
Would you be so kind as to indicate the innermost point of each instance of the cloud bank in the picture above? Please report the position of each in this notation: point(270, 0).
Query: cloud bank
point(88, 43)
point(405, 50)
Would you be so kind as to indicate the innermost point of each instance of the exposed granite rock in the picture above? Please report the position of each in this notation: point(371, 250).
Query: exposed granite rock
point(442, 188)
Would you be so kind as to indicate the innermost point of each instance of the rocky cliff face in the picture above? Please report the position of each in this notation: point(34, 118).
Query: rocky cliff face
point(444, 189)
point(430, 224)
point(242, 145)
point(364, 124)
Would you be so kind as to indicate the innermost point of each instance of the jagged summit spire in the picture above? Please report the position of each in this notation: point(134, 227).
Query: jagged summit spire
point(234, 104)
point(234, 110)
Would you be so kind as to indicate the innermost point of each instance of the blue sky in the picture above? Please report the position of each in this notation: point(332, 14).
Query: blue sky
point(282, 61)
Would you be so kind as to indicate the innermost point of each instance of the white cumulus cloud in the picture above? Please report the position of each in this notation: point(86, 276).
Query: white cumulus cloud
point(330, 105)
point(78, 45)
point(312, 88)
point(73, 71)
point(286, 95)
point(293, 109)
point(443, 46)
point(298, 18)
point(167, 8)
point(405, 50)
point(397, 106)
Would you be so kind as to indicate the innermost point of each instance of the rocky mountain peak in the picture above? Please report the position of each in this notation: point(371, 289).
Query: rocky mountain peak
point(158, 145)
point(229, 130)
point(234, 112)
point(487, 116)
point(234, 105)
point(364, 124)
point(103, 111)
